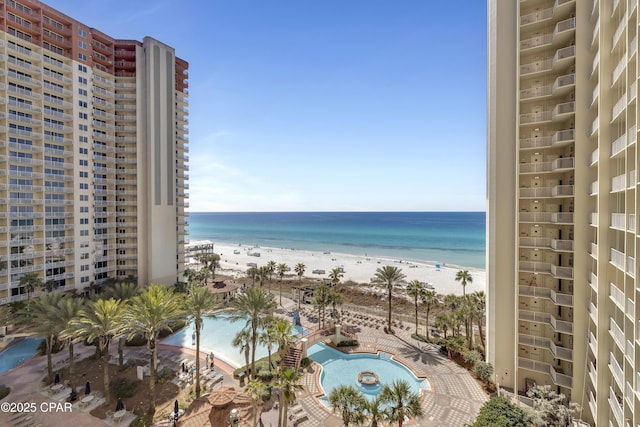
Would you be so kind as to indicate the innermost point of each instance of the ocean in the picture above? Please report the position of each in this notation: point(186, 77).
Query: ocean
point(456, 238)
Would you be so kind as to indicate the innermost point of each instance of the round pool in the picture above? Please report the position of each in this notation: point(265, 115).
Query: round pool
point(339, 368)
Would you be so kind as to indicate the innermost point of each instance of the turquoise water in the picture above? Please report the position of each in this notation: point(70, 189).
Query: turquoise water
point(342, 369)
point(216, 336)
point(452, 237)
point(18, 353)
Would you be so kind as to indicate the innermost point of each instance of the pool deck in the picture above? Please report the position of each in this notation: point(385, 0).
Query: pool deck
point(454, 400)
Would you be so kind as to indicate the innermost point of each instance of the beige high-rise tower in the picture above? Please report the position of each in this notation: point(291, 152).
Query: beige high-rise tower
point(564, 301)
point(93, 154)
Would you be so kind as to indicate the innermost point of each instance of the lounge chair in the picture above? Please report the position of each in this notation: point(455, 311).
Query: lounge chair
point(300, 419)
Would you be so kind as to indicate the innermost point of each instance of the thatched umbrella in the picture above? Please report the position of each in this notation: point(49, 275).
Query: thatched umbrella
point(214, 409)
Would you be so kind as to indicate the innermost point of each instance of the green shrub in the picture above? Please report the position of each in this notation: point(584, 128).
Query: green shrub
point(136, 341)
point(347, 343)
point(305, 362)
point(471, 357)
point(130, 363)
point(265, 376)
point(141, 422)
point(4, 391)
point(123, 387)
point(483, 370)
point(164, 374)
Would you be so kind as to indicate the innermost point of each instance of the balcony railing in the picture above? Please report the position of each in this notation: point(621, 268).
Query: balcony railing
point(615, 403)
point(558, 378)
point(616, 370)
point(616, 333)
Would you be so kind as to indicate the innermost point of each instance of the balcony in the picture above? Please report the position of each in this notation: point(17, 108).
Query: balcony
point(557, 351)
point(541, 292)
point(593, 313)
point(538, 317)
point(558, 378)
point(616, 370)
point(617, 258)
point(619, 183)
point(615, 402)
point(616, 333)
point(617, 296)
point(553, 166)
point(538, 16)
point(619, 107)
point(618, 221)
point(562, 111)
point(618, 71)
point(539, 192)
point(619, 31)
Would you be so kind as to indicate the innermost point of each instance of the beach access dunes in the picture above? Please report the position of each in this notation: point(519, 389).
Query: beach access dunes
point(357, 268)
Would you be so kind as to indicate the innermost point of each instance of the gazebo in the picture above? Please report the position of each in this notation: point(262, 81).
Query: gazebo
point(213, 409)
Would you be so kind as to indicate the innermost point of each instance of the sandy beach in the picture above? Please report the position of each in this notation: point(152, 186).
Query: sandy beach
point(358, 268)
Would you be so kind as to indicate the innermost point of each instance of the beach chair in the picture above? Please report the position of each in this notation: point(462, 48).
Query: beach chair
point(300, 420)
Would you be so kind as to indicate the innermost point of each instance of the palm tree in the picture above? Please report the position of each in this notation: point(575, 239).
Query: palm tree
point(429, 299)
point(151, 312)
point(335, 275)
point(349, 402)
point(198, 303)
point(389, 276)
point(416, 290)
point(374, 411)
point(255, 306)
point(268, 337)
point(43, 321)
point(283, 333)
point(271, 268)
point(443, 322)
point(464, 277)
point(335, 299)
point(242, 340)
point(403, 402)
point(121, 291)
point(288, 381)
point(30, 282)
point(255, 388)
point(69, 309)
point(100, 321)
point(478, 313)
point(282, 269)
point(209, 262)
point(263, 274)
point(321, 300)
point(300, 269)
point(252, 273)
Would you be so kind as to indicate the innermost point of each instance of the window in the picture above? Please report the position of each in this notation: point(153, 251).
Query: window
point(82, 56)
point(82, 33)
point(83, 139)
point(84, 186)
point(84, 209)
point(83, 116)
point(84, 163)
point(84, 221)
point(83, 127)
point(84, 197)
point(82, 92)
point(82, 68)
point(82, 80)
point(84, 232)
point(84, 174)
point(82, 45)
point(82, 104)
point(84, 151)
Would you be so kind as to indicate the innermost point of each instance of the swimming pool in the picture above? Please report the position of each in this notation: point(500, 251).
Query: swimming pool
point(339, 368)
point(18, 353)
point(216, 336)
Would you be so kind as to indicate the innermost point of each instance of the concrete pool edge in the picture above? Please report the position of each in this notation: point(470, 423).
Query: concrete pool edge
point(321, 393)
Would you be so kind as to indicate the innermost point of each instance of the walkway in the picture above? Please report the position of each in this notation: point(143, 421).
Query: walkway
point(454, 401)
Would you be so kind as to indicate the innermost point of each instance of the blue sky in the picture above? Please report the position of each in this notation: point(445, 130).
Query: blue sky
point(332, 105)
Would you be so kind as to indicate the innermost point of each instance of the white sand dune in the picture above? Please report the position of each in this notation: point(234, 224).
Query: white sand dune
point(358, 268)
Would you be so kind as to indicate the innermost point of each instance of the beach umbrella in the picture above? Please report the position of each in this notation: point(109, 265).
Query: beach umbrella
point(119, 405)
point(56, 380)
point(87, 388)
point(176, 409)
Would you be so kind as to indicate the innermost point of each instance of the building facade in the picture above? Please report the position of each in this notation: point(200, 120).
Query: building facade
point(93, 154)
point(562, 230)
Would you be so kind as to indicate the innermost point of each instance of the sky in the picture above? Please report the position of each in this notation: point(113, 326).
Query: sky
point(323, 105)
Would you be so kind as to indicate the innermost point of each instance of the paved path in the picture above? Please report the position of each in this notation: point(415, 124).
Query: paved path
point(454, 400)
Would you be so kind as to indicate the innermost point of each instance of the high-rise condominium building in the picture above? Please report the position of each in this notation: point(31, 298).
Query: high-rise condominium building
point(563, 202)
point(93, 154)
